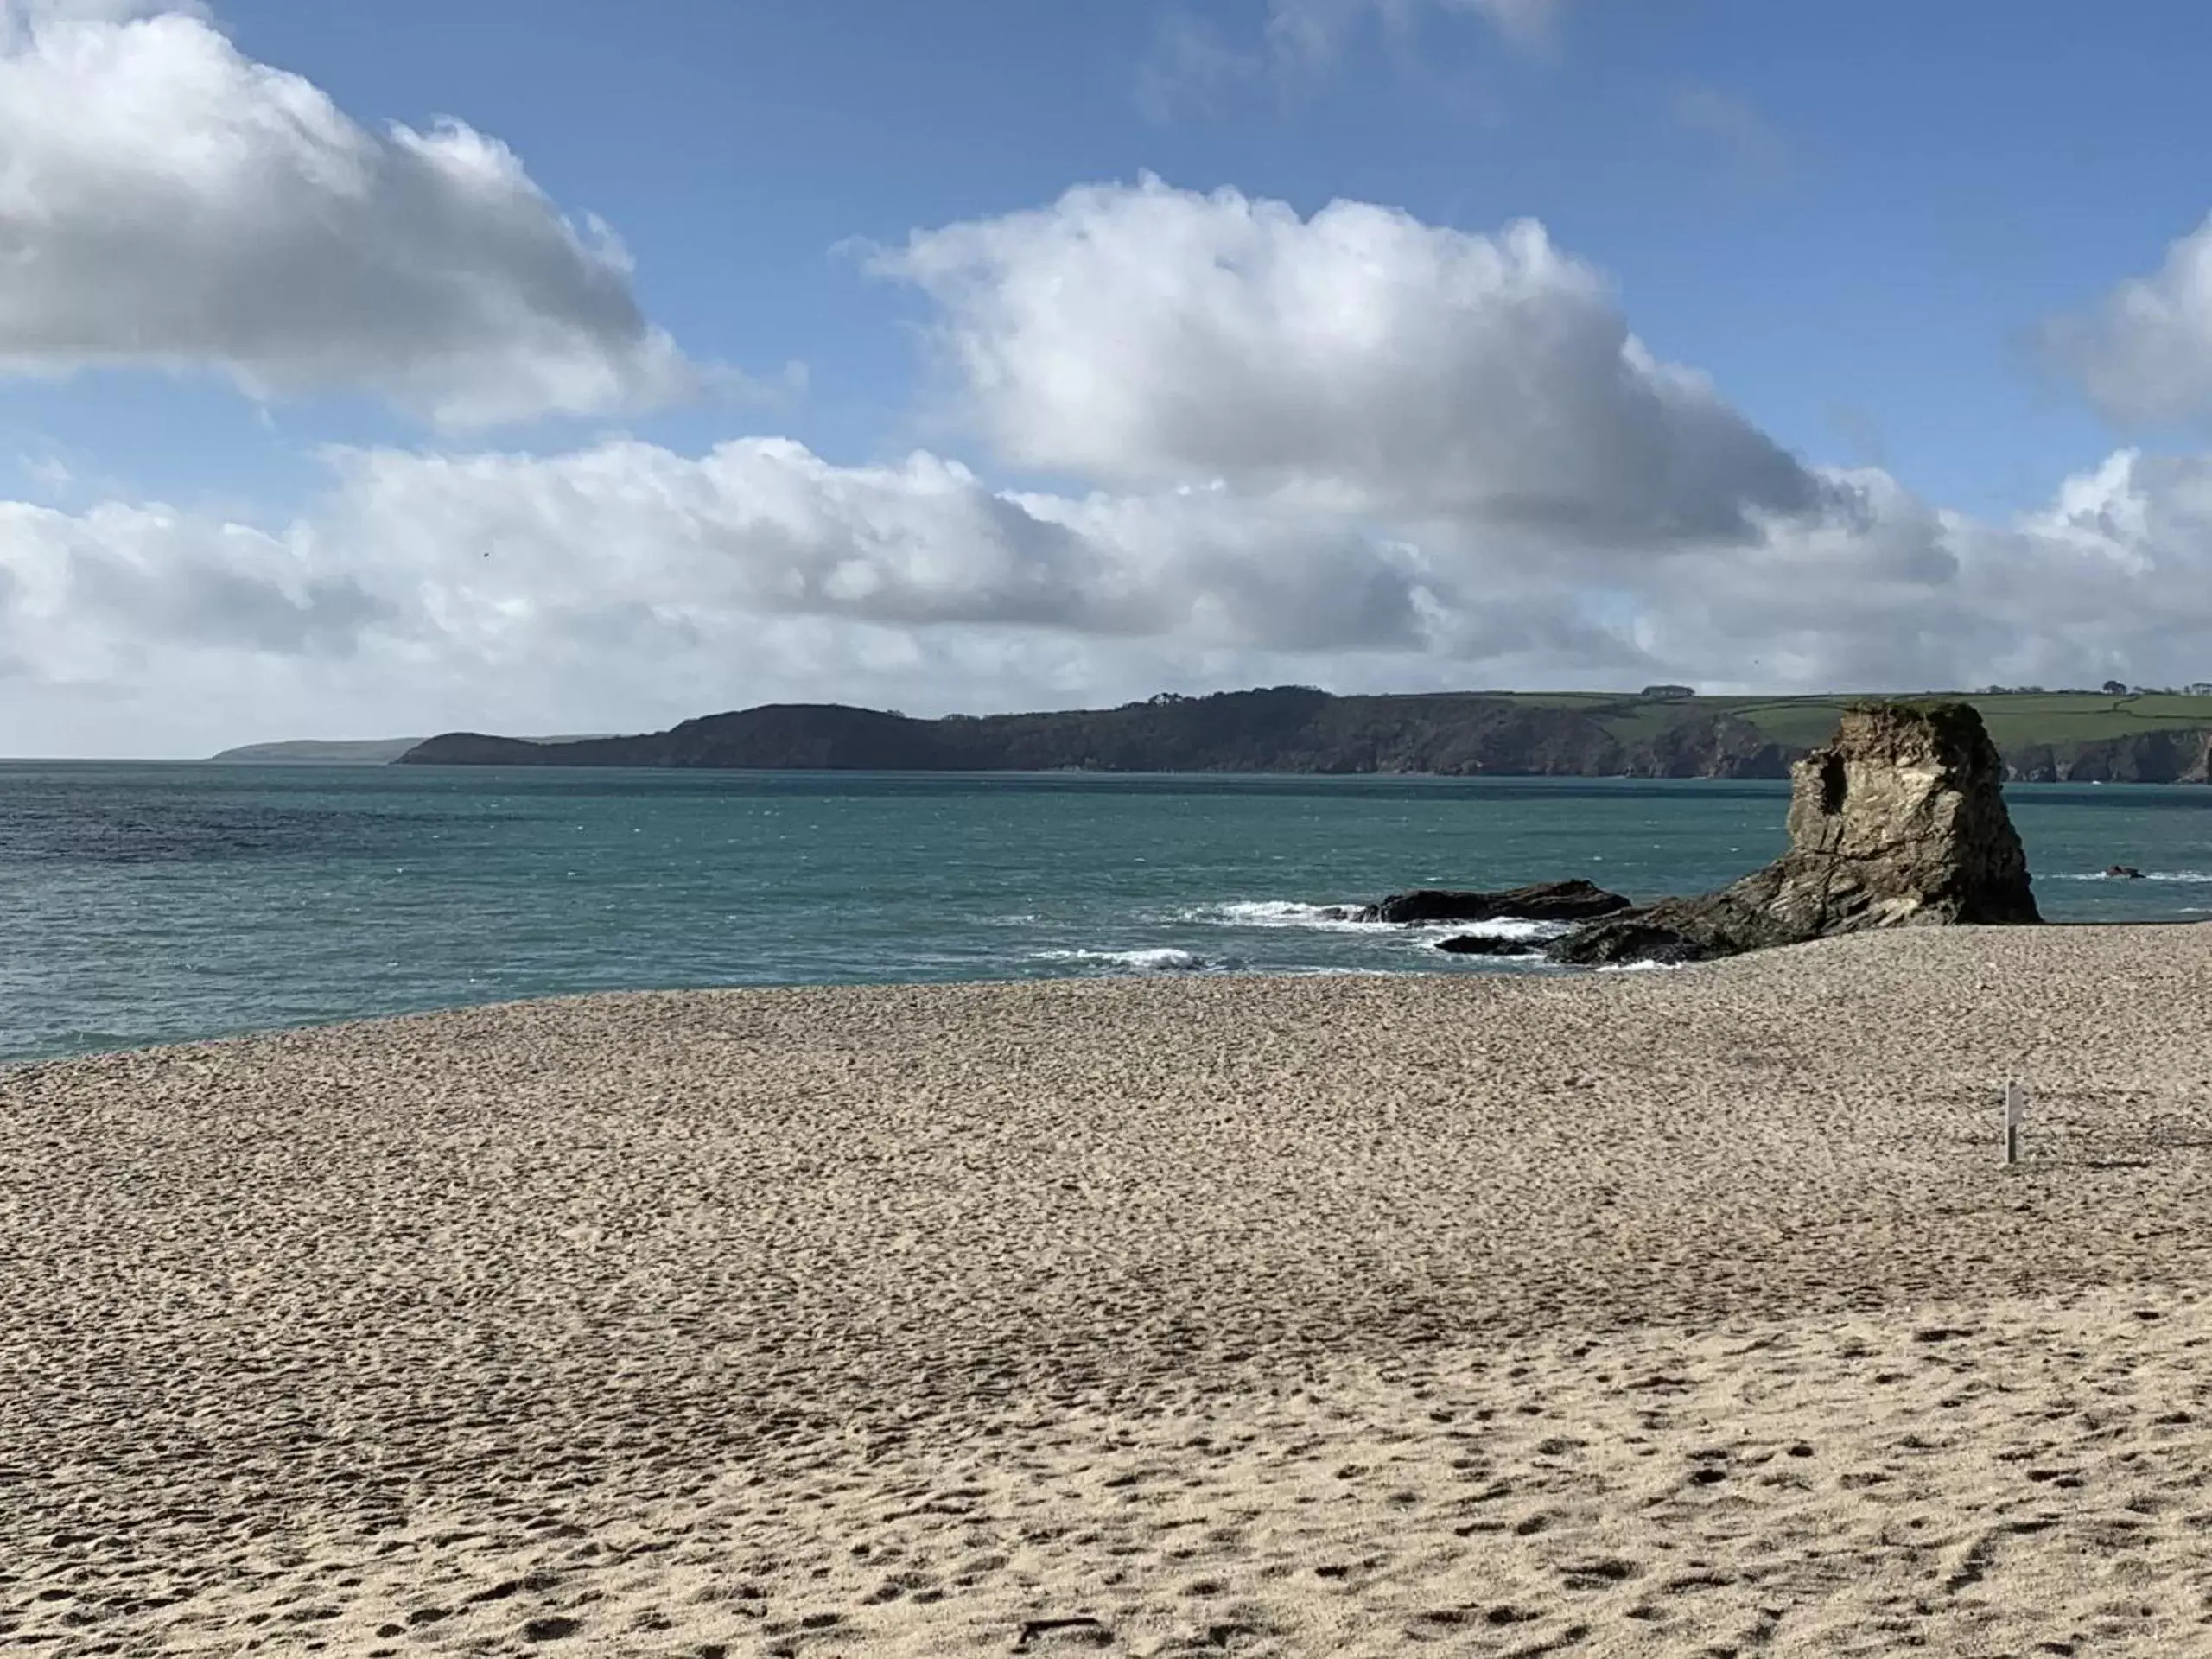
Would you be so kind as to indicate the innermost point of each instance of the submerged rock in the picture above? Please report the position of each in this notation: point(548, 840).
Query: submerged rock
point(1546, 901)
point(1899, 822)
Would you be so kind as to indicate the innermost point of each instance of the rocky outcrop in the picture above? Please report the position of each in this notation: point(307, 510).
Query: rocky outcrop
point(1899, 822)
point(1547, 901)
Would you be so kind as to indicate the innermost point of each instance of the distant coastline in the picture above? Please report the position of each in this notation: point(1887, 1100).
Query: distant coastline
point(2112, 736)
point(339, 752)
point(315, 751)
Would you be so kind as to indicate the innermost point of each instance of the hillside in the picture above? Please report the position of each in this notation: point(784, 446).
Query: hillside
point(2045, 737)
point(316, 752)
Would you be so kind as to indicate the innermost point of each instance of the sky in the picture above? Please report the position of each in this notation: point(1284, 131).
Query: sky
point(379, 371)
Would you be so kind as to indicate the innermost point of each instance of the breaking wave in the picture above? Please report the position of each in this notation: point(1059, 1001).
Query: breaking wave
point(2193, 876)
point(1337, 918)
point(1275, 913)
point(1161, 960)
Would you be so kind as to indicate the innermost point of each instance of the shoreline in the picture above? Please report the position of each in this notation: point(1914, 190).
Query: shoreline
point(1528, 970)
point(907, 1320)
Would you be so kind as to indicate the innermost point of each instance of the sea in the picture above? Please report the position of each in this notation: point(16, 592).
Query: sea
point(159, 903)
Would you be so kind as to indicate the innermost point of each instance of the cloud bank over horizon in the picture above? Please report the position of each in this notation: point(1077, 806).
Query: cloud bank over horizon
point(1215, 442)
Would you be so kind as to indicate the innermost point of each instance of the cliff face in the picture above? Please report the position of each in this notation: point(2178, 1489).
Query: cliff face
point(2156, 757)
point(1289, 729)
point(1721, 746)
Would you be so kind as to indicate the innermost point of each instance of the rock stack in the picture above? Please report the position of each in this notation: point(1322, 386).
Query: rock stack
point(1899, 822)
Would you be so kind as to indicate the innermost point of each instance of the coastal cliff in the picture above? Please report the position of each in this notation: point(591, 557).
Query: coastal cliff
point(1299, 730)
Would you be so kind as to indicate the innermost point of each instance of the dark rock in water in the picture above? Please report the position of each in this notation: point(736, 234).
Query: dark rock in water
point(2124, 872)
point(1484, 944)
point(1621, 941)
point(1546, 901)
point(1899, 822)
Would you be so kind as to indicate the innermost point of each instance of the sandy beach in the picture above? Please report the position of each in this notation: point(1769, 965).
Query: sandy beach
point(1655, 1312)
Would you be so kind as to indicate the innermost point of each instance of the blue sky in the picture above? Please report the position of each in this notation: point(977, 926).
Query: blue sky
point(1848, 215)
point(1891, 237)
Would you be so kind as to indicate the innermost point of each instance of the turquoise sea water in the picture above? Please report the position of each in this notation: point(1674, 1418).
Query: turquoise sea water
point(143, 904)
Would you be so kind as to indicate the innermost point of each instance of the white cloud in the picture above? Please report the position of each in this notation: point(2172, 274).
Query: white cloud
point(83, 598)
point(166, 202)
point(762, 527)
point(1350, 449)
point(1360, 358)
point(2144, 352)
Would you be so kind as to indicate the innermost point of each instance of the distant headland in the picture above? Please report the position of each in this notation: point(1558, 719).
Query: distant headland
point(336, 752)
point(2114, 735)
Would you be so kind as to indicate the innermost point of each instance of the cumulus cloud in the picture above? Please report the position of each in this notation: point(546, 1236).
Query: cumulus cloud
point(1374, 363)
point(2144, 352)
point(83, 596)
point(166, 202)
point(765, 527)
point(1349, 449)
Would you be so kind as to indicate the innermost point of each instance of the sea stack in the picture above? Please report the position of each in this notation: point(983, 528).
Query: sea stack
point(1899, 822)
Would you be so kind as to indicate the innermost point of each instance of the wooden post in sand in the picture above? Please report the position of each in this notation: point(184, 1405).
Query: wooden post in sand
point(2016, 1114)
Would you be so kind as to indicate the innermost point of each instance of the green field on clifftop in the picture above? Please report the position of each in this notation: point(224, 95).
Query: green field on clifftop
point(2014, 718)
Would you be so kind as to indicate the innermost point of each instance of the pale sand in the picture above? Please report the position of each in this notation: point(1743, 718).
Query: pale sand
point(1681, 1312)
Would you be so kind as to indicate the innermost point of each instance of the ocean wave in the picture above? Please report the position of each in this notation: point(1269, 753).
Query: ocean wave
point(1337, 918)
point(2192, 876)
point(1273, 912)
point(1506, 927)
point(1158, 960)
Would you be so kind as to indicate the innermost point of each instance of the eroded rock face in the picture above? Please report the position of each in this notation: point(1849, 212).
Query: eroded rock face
point(1899, 822)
